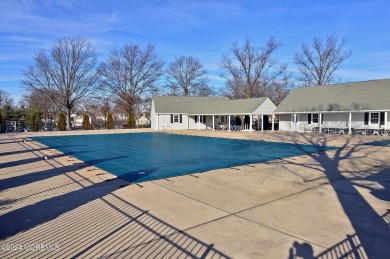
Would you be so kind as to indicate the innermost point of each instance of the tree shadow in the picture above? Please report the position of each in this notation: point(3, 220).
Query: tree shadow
point(42, 175)
point(120, 229)
point(33, 215)
point(26, 150)
point(18, 152)
point(21, 162)
point(34, 177)
point(370, 228)
point(6, 142)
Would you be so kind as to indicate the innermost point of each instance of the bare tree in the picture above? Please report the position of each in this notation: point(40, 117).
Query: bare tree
point(69, 71)
point(186, 76)
point(105, 107)
point(41, 101)
point(129, 73)
point(252, 70)
point(278, 90)
point(5, 101)
point(319, 62)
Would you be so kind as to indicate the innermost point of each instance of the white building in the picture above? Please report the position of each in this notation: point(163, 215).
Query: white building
point(142, 121)
point(183, 112)
point(359, 107)
point(77, 120)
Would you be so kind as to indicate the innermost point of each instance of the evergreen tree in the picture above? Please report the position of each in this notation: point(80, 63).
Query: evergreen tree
point(61, 122)
point(34, 116)
point(86, 123)
point(33, 124)
point(110, 121)
point(2, 124)
point(130, 121)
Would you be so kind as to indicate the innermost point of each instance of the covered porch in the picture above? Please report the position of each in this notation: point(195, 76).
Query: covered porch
point(356, 122)
point(240, 114)
point(230, 122)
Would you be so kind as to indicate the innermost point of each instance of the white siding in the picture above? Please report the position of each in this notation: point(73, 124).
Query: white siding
point(153, 117)
point(267, 108)
point(358, 120)
point(330, 120)
point(285, 122)
point(336, 120)
point(198, 125)
point(164, 122)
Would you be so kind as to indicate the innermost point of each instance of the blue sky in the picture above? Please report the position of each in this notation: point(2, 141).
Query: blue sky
point(205, 29)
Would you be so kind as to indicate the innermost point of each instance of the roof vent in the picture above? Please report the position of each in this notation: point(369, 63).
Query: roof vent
point(188, 100)
point(176, 101)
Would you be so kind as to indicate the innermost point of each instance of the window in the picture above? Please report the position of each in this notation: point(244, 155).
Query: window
point(315, 117)
point(222, 119)
point(202, 119)
point(374, 118)
point(176, 118)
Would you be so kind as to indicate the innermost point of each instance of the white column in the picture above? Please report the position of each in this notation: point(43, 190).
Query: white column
point(319, 122)
point(295, 122)
point(157, 121)
point(350, 123)
point(273, 122)
point(198, 122)
point(385, 126)
point(213, 123)
point(229, 123)
point(250, 122)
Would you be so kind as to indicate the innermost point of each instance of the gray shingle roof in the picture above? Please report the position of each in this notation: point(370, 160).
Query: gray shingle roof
point(371, 95)
point(205, 105)
point(239, 106)
point(180, 104)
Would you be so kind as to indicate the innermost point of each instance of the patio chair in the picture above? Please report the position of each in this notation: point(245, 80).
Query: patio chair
point(223, 126)
point(361, 131)
point(375, 132)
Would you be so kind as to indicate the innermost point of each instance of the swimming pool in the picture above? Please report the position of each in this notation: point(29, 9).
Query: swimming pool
point(380, 143)
point(139, 157)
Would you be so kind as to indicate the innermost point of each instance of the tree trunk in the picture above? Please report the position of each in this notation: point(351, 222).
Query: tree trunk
point(68, 126)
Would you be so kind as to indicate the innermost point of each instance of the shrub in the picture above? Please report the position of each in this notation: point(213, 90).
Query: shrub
point(34, 116)
point(33, 124)
point(130, 121)
point(61, 122)
point(110, 121)
point(86, 123)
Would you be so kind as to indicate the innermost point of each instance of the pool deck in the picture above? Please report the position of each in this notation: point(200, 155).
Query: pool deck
point(321, 205)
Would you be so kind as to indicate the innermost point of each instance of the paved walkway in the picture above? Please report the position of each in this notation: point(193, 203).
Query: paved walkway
point(323, 205)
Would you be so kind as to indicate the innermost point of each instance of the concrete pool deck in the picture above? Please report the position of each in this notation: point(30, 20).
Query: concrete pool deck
point(320, 205)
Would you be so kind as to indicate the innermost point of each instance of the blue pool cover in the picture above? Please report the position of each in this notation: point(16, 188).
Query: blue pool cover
point(139, 157)
point(380, 143)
